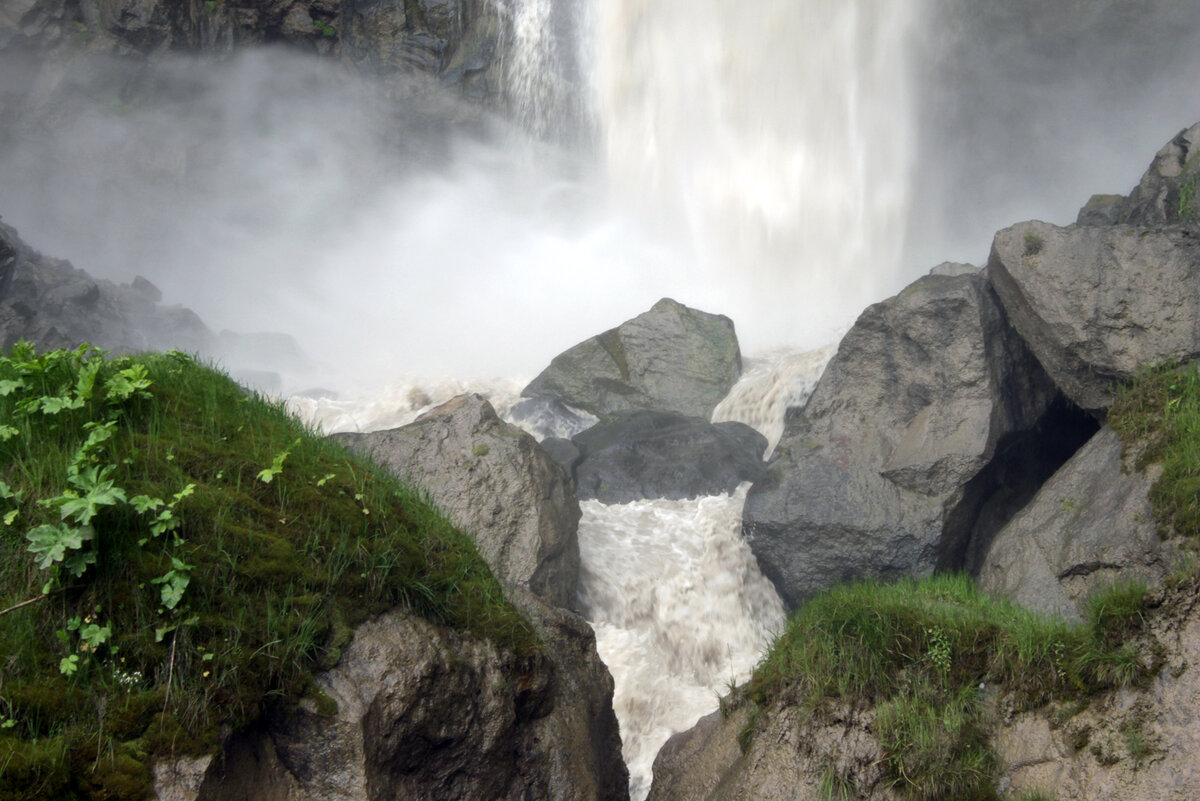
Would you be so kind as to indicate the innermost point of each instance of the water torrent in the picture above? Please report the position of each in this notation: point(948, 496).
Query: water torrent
point(680, 609)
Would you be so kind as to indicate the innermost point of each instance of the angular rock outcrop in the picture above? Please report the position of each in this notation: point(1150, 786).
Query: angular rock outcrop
point(54, 305)
point(669, 359)
point(789, 758)
point(1166, 195)
point(1096, 305)
point(416, 711)
point(494, 482)
point(883, 473)
point(1091, 524)
point(637, 455)
point(1129, 745)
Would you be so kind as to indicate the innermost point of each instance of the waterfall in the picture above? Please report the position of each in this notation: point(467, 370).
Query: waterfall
point(776, 136)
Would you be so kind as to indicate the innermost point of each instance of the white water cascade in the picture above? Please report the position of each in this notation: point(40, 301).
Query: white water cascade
point(775, 136)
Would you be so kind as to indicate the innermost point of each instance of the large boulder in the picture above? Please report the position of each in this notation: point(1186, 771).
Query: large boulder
point(417, 711)
point(1097, 304)
point(495, 483)
point(887, 468)
point(54, 305)
point(1166, 195)
point(638, 455)
point(670, 359)
point(1090, 525)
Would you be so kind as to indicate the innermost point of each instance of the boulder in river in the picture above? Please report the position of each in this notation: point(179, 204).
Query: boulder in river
point(893, 460)
point(637, 455)
point(671, 358)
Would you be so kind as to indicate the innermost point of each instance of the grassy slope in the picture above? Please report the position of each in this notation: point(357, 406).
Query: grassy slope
point(252, 585)
point(918, 651)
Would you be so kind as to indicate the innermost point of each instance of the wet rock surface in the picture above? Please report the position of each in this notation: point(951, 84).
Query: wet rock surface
point(669, 359)
point(637, 455)
point(874, 476)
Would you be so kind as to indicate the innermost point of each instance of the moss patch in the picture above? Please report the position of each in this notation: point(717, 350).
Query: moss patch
point(226, 554)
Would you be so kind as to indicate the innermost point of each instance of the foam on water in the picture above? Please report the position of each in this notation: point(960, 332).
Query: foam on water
point(680, 609)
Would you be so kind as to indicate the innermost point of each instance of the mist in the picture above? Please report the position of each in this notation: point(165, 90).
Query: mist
point(785, 165)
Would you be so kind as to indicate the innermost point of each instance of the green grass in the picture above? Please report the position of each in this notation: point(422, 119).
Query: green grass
point(920, 651)
point(210, 604)
point(1160, 412)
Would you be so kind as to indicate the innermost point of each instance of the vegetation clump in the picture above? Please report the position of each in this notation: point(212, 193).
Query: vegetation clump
point(932, 655)
point(1160, 413)
point(177, 554)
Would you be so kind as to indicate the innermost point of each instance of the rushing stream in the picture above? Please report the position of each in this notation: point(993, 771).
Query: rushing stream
point(783, 162)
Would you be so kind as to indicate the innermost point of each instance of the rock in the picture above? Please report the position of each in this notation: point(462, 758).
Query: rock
point(637, 455)
point(887, 469)
point(954, 268)
point(10, 254)
point(1166, 195)
point(495, 483)
point(788, 759)
point(563, 451)
point(668, 359)
point(417, 711)
point(1096, 305)
point(1129, 745)
point(548, 418)
point(54, 305)
point(1090, 525)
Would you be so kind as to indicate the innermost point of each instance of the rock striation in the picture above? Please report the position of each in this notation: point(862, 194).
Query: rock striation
point(494, 482)
point(669, 359)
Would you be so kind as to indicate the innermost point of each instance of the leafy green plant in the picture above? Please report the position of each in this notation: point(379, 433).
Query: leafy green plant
point(134, 485)
point(1033, 244)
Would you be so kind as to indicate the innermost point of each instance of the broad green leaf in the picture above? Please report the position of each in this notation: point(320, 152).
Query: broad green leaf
point(10, 385)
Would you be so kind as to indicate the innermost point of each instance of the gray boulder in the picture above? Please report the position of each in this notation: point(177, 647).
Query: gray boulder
point(417, 711)
point(638, 455)
point(495, 483)
point(1090, 525)
point(1097, 304)
point(1166, 195)
point(887, 469)
point(54, 305)
point(670, 359)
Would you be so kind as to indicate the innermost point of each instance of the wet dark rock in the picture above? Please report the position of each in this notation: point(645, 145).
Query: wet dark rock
point(875, 476)
point(637, 455)
point(669, 359)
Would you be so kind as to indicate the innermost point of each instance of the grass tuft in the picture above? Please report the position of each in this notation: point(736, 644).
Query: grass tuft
point(927, 653)
point(178, 555)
